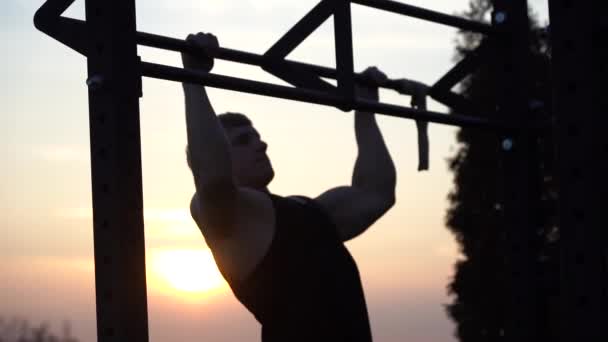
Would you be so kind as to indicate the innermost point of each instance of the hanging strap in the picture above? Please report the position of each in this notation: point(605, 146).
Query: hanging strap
point(423, 134)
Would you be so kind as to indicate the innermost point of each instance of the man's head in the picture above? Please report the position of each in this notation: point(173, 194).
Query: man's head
point(251, 166)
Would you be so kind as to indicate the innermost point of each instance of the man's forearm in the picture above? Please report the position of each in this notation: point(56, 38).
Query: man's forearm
point(208, 146)
point(374, 169)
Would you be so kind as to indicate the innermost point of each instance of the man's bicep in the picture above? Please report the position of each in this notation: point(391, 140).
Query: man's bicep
point(352, 210)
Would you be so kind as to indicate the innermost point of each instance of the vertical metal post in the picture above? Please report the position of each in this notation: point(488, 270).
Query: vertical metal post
point(520, 167)
point(114, 89)
point(578, 34)
point(344, 48)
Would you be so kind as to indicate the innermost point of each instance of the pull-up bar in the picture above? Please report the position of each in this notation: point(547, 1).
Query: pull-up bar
point(308, 95)
point(178, 45)
point(74, 33)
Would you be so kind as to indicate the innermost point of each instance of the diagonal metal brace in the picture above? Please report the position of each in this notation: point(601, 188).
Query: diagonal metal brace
point(70, 32)
point(301, 30)
point(298, 78)
point(274, 58)
point(441, 91)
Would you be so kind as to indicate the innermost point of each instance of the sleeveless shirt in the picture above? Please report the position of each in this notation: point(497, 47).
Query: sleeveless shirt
point(307, 286)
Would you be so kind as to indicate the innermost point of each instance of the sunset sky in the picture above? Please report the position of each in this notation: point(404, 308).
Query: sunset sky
point(46, 242)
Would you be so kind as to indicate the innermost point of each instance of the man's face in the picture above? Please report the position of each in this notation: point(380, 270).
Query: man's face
point(251, 166)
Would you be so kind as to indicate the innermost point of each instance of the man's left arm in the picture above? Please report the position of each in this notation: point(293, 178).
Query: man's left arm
point(371, 194)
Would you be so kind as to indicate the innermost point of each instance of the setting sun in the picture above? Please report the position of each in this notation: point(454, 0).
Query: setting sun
point(190, 271)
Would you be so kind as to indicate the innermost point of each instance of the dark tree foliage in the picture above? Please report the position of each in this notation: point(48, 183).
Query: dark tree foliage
point(475, 217)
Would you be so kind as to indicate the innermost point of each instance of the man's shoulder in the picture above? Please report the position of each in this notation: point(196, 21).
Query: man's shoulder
point(248, 205)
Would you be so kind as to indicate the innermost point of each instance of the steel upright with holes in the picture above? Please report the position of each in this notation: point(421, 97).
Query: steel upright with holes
point(114, 91)
point(578, 31)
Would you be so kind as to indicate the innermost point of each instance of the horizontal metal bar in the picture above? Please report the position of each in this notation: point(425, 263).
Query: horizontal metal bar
point(173, 44)
point(309, 96)
point(425, 14)
point(178, 45)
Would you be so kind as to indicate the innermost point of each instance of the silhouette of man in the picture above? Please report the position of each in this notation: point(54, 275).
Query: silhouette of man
point(284, 257)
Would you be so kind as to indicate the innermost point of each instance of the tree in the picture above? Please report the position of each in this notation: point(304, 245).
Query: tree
point(475, 213)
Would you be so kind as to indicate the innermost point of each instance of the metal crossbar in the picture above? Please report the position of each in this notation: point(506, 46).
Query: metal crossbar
point(109, 40)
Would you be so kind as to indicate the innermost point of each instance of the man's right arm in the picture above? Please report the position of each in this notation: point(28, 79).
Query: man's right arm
point(209, 150)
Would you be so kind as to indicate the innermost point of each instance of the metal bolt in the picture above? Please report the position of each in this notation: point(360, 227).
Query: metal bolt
point(507, 144)
point(95, 82)
point(500, 17)
point(536, 104)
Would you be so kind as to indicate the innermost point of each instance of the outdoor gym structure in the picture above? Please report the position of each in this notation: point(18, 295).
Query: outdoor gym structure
point(109, 39)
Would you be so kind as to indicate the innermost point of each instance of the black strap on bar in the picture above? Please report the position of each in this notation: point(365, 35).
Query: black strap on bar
point(421, 125)
point(423, 144)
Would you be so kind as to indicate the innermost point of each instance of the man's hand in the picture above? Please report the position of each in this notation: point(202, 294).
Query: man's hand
point(208, 45)
point(372, 79)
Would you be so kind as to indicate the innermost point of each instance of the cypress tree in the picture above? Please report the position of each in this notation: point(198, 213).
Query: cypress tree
point(479, 285)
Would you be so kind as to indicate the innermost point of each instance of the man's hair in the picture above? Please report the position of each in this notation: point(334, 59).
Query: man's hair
point(228, 120)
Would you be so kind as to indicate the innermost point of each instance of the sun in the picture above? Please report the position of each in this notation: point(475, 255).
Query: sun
point(187, 271)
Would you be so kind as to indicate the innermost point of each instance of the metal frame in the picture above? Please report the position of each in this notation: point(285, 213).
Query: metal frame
point(116, 173)
point(578, 33)
point(109, 40)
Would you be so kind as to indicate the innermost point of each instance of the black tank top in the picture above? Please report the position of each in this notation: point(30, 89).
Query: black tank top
point(307, 287)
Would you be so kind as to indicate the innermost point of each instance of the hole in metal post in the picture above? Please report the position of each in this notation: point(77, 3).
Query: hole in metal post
point(569, 45)
point(579, 259)
point(578, 214)
point(107, 260)
point(572, 130)
point(516, 248)
point(582, 301)
point(571, 87)
point(101, 118)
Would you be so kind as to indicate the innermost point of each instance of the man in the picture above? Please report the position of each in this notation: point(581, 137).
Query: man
point(284, 257)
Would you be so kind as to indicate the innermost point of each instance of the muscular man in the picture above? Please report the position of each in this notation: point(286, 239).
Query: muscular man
point(284, 257)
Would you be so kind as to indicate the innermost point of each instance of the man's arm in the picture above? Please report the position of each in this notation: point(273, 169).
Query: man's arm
point(371, 194)
point(209, 151)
